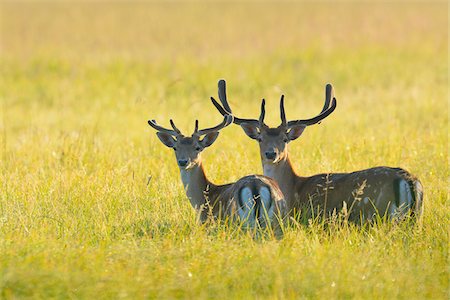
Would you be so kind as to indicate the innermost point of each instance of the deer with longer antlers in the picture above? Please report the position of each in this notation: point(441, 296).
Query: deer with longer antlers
point(382, 191)
point(255, 200)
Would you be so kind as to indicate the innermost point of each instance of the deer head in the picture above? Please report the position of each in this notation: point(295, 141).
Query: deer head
point(273, 141)
point(188, 148)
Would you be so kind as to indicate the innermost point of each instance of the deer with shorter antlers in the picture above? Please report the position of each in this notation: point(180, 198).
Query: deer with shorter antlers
point(256, 201)
point(361, 195)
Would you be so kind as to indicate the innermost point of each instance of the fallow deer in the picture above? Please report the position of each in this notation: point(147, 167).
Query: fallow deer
point(255, 200)
point(382, 191)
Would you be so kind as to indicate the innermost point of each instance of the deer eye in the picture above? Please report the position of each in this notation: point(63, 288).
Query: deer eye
point(259, 140)
point(198, 148)
point(174, 148)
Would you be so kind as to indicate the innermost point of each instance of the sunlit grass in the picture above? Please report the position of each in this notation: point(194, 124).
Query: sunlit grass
point(91, 203)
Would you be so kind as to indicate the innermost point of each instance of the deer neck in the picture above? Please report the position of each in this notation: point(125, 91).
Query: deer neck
point(284, 174)
point(195, 184)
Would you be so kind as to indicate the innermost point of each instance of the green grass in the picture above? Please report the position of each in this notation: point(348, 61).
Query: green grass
point(79, 217)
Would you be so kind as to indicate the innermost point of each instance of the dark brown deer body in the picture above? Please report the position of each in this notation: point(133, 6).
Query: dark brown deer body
point(256, 201)
point(382, 191)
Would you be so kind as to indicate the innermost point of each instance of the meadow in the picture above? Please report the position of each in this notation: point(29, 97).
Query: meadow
point(91, 203)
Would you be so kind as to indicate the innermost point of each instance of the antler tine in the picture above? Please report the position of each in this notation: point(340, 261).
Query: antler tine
point(196, 126)
point(263, 111)
point(282, 112)
point(219, 107)
point(227, 120)
point(222, 85)
point(153, 124)
point(174, 127)
point(328, 96)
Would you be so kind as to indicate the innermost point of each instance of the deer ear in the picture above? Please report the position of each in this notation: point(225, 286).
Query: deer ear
point(209, 139)
point(166, 139)
point(295, 132)
point(251, 130)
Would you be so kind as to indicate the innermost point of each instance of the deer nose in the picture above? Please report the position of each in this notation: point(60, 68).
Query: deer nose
point(270, 154)
point(182, 162)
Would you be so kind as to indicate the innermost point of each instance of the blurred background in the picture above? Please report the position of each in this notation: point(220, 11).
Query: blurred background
point(106, 67)
point(109, 66)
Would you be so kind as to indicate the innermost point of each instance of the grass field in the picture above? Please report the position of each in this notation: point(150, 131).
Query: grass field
point(91, 203)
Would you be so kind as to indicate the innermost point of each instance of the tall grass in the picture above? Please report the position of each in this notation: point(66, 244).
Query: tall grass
point(91, 204)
